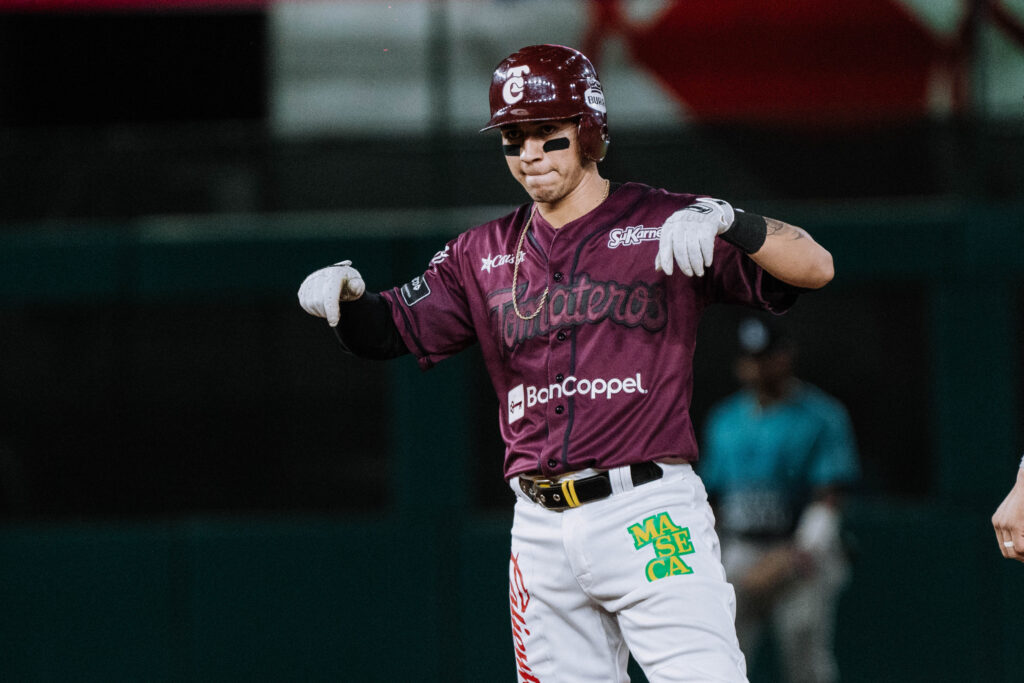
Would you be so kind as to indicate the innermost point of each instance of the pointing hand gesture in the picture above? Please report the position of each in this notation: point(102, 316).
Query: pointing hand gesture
point(322, 291)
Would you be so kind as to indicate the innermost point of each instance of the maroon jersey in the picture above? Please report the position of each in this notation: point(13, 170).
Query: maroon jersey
point(603, 375)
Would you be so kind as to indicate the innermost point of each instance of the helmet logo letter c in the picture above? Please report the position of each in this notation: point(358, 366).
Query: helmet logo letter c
point(513, 90)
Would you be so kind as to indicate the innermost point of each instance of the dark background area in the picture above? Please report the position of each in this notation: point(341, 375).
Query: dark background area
point(96, 69)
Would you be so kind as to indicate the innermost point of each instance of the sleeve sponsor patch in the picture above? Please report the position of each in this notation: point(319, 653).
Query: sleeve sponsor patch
point(415, 291)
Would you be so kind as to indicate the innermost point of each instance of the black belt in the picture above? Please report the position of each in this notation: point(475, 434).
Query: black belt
point(571, 493)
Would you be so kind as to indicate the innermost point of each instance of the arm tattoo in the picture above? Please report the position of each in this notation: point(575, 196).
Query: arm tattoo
point(777, 227)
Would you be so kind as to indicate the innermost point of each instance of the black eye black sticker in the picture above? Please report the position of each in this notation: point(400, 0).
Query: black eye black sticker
point(556, 144)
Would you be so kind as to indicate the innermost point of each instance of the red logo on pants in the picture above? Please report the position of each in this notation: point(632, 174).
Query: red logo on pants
point(519, 600)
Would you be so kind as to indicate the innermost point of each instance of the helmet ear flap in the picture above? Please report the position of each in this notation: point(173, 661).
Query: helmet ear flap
point(593, 137)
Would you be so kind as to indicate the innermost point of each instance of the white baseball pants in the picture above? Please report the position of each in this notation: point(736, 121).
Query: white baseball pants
point(639, 571)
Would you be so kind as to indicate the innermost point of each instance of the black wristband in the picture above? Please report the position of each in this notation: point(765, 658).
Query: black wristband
point(748, 232)
point(366, 328)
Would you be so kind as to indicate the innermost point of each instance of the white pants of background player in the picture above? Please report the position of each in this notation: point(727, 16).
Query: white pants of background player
point(803, 616)
point(581, 599)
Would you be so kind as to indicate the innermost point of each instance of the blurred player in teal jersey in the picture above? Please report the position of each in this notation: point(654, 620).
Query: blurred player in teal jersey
point(775, 458)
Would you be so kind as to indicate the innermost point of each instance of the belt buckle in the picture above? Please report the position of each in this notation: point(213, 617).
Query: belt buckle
point(555, 495)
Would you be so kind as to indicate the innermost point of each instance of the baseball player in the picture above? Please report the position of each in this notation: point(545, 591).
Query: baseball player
point(585, 303)
point(776, 456)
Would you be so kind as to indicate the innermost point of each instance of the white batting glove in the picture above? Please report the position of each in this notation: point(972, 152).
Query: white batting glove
point(689, 236)
point(322, 291)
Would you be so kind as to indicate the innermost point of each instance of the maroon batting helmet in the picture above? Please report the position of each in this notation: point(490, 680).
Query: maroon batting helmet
point(551, 82)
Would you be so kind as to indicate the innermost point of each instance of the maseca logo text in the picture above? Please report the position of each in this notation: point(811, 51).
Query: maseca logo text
point(669, 541)
point(522, 397)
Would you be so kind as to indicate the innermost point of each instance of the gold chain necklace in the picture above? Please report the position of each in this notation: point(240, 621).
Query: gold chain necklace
point(515, 273)
point(515, 260)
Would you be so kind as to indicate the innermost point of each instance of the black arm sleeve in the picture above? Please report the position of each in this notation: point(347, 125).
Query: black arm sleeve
point(367, 330)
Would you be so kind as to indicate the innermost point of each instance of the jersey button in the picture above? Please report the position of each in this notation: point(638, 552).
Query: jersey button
point(559, 377)
point(559, 409)
point(552, 463)
point(560, 336)
point(558, 277)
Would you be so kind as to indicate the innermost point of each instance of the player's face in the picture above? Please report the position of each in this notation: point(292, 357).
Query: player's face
point(538, 157)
